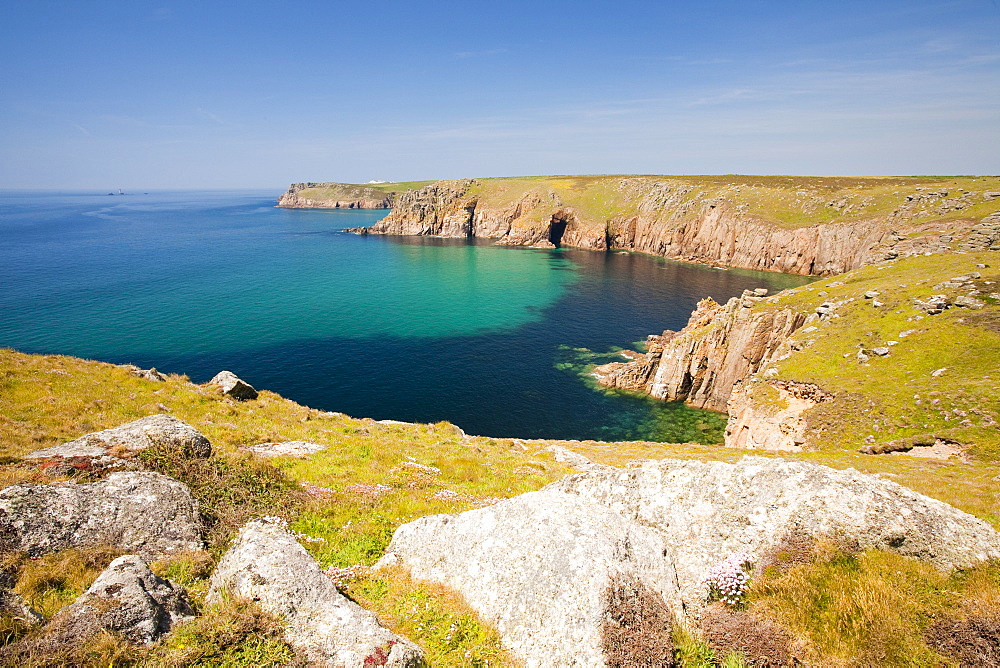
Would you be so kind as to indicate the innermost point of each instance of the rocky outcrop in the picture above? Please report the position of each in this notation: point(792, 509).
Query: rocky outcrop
point(777, 424)
point(145, 513)
point(721, 345)
point(543, 567)
point(129, 439)
point(536, 565)
point(146, 374)
point(267, 565)
point(439, 209)
point(233, 386)
point(127, 599)
point(334, 196)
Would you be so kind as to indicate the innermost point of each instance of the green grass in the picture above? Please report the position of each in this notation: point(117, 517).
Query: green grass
point(869, 608)
point(897, 396)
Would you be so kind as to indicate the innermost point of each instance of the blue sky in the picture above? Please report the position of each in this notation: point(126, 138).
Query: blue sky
point(259, 94)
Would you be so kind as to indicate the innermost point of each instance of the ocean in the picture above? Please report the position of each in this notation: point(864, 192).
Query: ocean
point(495, 339)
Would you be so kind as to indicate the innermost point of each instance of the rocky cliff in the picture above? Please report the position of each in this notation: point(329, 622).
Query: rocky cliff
point(805, 225)
point(334, 196)
point(721, 345)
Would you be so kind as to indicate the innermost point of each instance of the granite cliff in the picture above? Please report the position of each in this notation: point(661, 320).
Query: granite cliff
point(721, 345)
point(800, 225)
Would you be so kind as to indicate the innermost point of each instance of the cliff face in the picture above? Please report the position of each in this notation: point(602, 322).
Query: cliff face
point(721, 345)
point(334, 196)
point(726, 224)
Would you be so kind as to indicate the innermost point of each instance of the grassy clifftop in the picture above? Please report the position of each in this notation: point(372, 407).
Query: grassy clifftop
point(786, 201)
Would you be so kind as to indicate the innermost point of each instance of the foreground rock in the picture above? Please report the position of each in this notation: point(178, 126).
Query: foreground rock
point(15, 606)
point(267, 565)
point(546, 568)
point(112, 446)
point(128, 599)
point(539, 565)
point(232, 386)
point(145, 513)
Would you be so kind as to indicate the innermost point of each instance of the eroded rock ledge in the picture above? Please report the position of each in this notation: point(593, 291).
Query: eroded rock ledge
point(721, 345)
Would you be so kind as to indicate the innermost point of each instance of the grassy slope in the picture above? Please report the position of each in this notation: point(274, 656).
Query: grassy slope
point(894, 397)
point(373, 486)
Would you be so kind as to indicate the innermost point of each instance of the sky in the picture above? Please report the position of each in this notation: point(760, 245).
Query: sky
point(255, 94)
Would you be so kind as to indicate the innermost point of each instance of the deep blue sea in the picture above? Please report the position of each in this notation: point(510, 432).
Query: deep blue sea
point(494, 339)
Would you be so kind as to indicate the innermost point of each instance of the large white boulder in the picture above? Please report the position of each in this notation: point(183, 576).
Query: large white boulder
point(268, 565)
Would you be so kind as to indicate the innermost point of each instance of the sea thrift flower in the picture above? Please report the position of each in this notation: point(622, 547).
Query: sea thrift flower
point(729, 579)
point(373, 491)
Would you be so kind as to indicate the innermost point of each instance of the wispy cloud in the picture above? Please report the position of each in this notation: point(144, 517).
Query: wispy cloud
point(479, 54)
point(212, 117)
point(723, 98)
point(82, 129)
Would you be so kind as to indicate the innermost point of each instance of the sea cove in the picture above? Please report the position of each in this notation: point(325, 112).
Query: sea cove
point(494, 339)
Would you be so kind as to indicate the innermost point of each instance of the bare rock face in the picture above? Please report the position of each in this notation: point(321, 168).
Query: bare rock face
point(538, 565)
point(131, 438)
point(710, 510)
point(269, 566)
point(666, 221)
point(146, 513)
point(232, 386)
point(756, 425)
point(543, 567)
point(127, 598)
point(720, 345)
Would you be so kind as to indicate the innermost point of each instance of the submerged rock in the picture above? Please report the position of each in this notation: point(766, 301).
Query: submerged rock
point(233, 386)
point(131, 438)
point(146, 513)
point(267, 564)
point(539, 565)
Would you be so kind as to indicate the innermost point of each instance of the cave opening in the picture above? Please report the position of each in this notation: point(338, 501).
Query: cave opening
point(557, 227)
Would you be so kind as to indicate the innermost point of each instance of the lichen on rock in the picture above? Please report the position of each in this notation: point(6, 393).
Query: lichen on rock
point(268, 565)
point(146, 513)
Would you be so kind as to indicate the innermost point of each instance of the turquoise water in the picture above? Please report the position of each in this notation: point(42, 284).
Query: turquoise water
point(406, 328)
